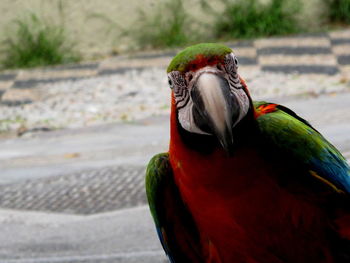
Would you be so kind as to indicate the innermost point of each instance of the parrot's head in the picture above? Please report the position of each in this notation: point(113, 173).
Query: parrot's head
point(210, 98)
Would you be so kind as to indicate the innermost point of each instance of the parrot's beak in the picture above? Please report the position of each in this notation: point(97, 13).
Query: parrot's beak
point(215, 108)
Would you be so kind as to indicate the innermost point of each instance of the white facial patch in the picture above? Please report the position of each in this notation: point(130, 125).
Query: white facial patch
point(186, 120)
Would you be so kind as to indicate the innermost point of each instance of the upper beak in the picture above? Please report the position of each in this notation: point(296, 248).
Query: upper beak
point(215, 107)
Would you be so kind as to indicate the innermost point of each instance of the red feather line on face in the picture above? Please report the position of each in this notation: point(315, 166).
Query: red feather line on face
point(201, 61)
point(264, 109)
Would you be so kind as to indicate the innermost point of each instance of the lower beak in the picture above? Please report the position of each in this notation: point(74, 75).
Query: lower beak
point(215, 107)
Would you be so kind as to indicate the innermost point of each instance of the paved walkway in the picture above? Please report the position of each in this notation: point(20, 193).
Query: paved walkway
point(85, 171)
point(322, 53)
point(126, 236)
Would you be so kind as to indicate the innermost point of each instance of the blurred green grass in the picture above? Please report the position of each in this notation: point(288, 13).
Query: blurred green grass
point(251, 18)
point(167, 27)
point(339, 11)
point(35, 42)
point(172, 25)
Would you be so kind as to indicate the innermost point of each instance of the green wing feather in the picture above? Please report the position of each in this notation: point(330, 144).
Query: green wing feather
point(292, 134)
point(175, 227)
point(158, 170)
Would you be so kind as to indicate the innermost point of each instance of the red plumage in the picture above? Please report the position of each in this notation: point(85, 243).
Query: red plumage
point(248, 217)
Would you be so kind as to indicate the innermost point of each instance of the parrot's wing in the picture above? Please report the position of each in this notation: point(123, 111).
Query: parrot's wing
point(176, 229)
point(290, 134)
point(293, 135)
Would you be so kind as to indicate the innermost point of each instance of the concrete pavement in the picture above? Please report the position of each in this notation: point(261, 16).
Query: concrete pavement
point(122, 236)
point(58, 152)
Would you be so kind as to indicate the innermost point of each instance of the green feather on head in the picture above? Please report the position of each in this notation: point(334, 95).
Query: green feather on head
point(207, 50)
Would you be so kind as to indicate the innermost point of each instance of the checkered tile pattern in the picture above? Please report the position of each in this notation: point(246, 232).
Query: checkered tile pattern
point(323, 53)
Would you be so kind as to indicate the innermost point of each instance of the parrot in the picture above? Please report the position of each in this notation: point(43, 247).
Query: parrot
point(243, 181)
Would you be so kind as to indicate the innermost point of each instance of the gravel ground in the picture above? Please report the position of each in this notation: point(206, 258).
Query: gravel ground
point(137, 94)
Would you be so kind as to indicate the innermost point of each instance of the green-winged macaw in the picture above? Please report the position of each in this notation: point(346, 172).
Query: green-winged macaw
point(244, 181)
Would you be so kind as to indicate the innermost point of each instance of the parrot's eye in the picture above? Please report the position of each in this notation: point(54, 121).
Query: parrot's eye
point(170, 82)
point(236, 61)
